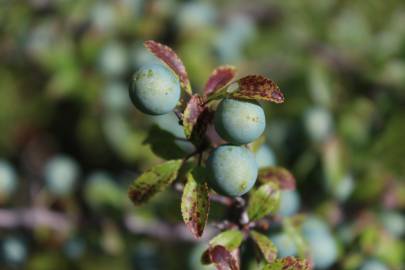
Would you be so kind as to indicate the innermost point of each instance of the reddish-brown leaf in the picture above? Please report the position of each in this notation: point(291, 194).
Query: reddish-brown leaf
point(222, 258)
point(196, 119)
point(194, 108)
point(258, 87)
point(170, 58)
point(219, 78)
point(205, 257)
point(277, 175)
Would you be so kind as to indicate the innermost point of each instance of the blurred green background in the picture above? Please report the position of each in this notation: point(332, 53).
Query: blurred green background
point(70, 141)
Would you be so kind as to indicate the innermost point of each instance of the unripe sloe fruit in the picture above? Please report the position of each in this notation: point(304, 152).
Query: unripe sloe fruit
point(373, 264)
point(265, 157)
point(318, 123)
point(323, 250)
point(8, 179)
point(239, 121)
point(289, 203)
point(155, 89)
point(285, 244)
point(314, 226)
point(61, 173)
point(13, 250)
point(321, 244)
point(232, 170)
point(115, 97)
point(113, 60)
point(394, 223)
point(195, 16)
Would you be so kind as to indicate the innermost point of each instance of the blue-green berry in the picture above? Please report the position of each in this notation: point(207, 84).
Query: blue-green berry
point(61, 173)
point(232, 170)
point(321, 244)
point(113, 60)
point(13, 250)
point(115, 97)
point(289, 203)
point(373, 264)
point(285, 244)
point(394, 223)
point(239, 121)
point(155, 89)
point(265, 157)
point(318, 123)
point(323, 250)
point(8, 179)
point(314, 226)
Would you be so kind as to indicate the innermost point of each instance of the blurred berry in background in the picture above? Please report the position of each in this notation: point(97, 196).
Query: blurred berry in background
point(8, 180)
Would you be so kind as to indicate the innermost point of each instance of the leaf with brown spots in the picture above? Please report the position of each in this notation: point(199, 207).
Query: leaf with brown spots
point(196, 119)
point(278, 175)
point(227, 255)
point(289, 263)
point(195, 202)
point(194, 108)
point(265, 245)
point(222, 258)
point(219, 78)
point(258, 87)
point(263, 201)
point(255, 87)
point(153, 181)
point(170, 58)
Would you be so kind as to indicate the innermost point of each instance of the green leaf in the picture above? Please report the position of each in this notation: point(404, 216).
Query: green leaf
point(164, 144)
point(195, 202)
point(170, 58)
point(278, 175)
point(265, 245)
point(230, 239)
point(153, 181)
point(219, 78)
point(255, 87)
point(288, 263)
point(263, 201)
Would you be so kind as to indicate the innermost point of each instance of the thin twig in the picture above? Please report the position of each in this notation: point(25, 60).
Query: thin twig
point(33, 218)
point(221, 199)
point(164, 231)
